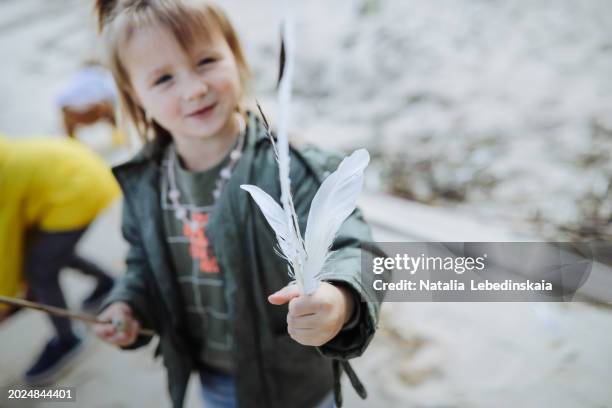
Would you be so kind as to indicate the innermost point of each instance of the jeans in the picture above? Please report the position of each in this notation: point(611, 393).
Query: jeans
point(219, 391)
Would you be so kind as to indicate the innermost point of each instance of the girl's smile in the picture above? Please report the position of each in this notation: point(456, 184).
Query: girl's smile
point(203, 112)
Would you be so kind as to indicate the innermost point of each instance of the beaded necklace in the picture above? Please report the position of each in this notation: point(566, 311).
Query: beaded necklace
point(181, 211)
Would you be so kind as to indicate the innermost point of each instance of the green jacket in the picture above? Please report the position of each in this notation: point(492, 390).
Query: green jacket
point(273, 369)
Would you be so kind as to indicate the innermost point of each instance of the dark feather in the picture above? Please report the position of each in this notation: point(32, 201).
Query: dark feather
point(281, 63)
point(263, 116)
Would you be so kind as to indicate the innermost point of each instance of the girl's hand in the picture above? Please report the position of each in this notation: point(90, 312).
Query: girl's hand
point(5, 313)
point(315, 319)
point(110, 332)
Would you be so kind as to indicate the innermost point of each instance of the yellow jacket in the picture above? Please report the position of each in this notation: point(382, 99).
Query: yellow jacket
point(52, 184)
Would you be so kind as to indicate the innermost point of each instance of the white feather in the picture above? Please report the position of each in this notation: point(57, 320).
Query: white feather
point(275, 216)
point(295, 242)
point(332, 204)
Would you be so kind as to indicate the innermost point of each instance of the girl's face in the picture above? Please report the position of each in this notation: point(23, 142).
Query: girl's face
point(191, 94)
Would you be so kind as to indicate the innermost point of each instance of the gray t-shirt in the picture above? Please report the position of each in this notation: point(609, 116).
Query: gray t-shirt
point(200, 280)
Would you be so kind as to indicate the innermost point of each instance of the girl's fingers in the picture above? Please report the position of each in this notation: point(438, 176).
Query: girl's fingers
point(121, 339)
point(111, 331)
point(134, 328)
point(300, 332)
point(107, 315)
point(104, 331)
point(305, 337)
point(284, 295)
point(303, 322)
point(302, 306)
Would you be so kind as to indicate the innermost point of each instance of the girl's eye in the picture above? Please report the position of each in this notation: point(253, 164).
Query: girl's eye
point(206, 61)
point(162, 79)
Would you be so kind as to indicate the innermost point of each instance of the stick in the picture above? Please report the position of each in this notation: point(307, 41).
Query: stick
point(56, 311)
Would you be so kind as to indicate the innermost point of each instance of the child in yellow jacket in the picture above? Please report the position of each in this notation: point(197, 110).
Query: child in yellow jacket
point(50, 192)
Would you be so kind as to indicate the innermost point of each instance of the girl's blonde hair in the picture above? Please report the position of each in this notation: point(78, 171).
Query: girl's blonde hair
point(187, 20)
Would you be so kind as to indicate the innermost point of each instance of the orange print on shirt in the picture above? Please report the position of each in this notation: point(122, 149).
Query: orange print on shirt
point(198, 244)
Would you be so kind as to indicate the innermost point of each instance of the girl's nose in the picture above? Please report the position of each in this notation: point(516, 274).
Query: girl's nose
point(194, 88)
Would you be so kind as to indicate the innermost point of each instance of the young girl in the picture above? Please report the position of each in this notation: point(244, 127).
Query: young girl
point(202, 260)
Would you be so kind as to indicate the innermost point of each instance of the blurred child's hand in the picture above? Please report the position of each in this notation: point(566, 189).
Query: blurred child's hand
point(315, 319)
point(5, 313)
point(109, 332)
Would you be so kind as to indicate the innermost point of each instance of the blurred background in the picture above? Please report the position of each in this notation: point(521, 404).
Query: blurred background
point(486, 120)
